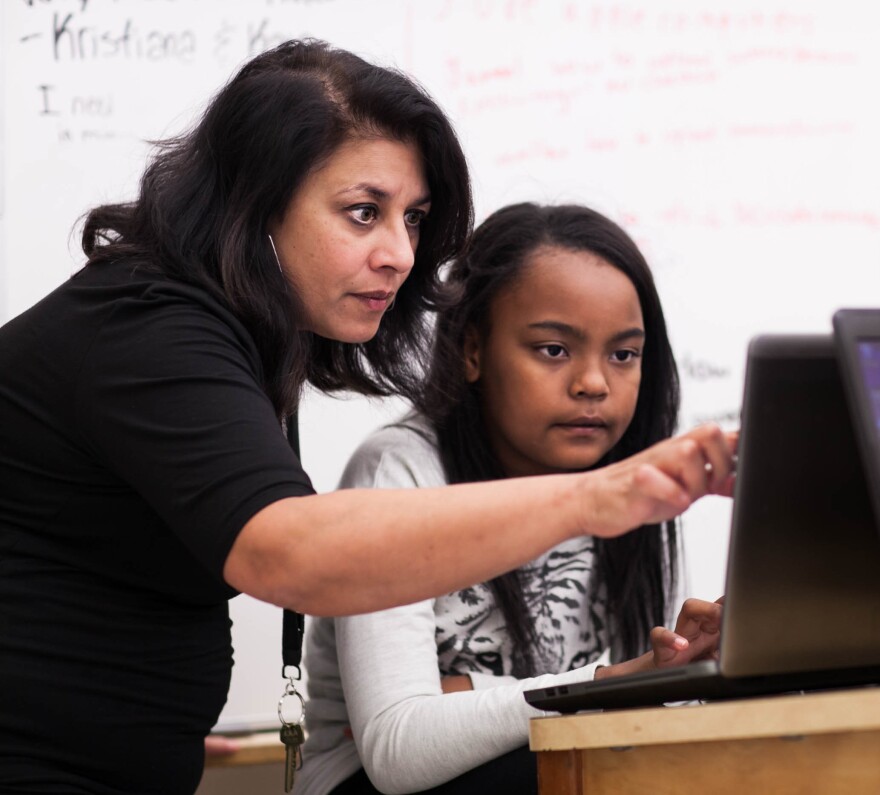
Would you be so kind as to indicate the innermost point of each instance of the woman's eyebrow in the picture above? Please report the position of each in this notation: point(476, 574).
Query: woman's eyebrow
point(366, 187)
point(379, 194)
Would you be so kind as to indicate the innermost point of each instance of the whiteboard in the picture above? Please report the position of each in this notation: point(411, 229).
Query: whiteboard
point(737, 142)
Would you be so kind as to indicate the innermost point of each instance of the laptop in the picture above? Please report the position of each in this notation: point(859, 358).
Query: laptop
point(802, 597)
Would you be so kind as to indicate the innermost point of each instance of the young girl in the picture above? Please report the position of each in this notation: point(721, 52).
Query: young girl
point(552, 358)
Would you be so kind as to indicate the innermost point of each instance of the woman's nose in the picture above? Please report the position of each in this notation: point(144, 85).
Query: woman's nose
point(395, 249)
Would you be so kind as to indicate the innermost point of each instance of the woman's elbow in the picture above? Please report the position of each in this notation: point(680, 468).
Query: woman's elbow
point(285, 589)
point(267, 561)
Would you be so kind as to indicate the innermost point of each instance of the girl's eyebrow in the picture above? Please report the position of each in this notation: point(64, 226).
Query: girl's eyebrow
point(636, 332)
point(631, 333)
point(560, 328)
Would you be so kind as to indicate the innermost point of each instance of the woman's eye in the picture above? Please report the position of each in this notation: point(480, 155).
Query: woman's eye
point(364, 214)
point(414, 217)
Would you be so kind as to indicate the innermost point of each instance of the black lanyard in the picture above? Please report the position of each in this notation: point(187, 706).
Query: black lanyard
point(293, 628)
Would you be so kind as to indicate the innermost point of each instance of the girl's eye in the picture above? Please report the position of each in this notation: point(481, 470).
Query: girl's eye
point(624, 356)
point(364, 213)
point(414, 218)
point(553, 351)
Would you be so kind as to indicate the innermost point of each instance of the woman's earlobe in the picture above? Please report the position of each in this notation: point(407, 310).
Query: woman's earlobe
point(471, 353)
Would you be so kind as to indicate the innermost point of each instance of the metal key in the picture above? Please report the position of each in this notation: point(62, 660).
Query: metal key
point(293, 737)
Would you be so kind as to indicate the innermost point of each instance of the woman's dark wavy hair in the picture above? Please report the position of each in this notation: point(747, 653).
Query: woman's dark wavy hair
point(636, 571)
point(208, 197)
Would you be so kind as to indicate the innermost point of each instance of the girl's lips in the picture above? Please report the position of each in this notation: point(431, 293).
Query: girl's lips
point(581, 422)
point(584, 427)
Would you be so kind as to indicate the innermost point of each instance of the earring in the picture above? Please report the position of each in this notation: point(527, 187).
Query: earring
point(275, 252)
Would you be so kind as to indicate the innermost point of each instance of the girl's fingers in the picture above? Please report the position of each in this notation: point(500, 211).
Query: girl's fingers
point(667, 645)
point(698, 616)
point(661, 636)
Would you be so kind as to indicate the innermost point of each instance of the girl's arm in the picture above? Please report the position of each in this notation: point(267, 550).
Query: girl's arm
point(410, 735)
point(362, 550)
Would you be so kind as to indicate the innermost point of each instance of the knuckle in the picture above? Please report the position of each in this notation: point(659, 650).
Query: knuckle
point(713, 430)
point(689, 447)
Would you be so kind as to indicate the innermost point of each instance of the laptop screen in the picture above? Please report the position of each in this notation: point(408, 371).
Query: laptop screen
point(869, 360)
point(857, 338)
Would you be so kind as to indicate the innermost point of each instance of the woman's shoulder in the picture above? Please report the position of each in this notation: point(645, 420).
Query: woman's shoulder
point(136, 312)
point(399, 455)
point(124, 291)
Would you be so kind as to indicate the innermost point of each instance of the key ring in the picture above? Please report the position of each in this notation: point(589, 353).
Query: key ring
point(290, 690)
point(289, 675)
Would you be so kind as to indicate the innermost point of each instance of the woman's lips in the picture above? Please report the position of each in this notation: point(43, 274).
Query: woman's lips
point(376, 301)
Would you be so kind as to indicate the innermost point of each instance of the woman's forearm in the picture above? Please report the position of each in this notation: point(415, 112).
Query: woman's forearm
point(357, 550)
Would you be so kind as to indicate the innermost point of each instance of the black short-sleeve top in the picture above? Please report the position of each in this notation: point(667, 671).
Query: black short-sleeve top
point(135, 443)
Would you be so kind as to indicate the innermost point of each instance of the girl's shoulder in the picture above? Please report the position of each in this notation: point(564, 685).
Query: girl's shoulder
point(412, 434)
point(402, 454)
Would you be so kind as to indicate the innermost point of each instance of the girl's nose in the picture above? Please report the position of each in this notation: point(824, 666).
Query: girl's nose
point(590, 382)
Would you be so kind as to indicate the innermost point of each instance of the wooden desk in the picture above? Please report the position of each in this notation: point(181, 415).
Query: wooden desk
point(817, 743)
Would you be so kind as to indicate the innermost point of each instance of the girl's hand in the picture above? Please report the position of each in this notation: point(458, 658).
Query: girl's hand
point(455, 684)
point(696, 636)
point(660, 482)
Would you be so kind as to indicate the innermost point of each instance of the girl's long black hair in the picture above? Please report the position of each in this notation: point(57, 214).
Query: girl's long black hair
point(637, 571)
point(208, 197)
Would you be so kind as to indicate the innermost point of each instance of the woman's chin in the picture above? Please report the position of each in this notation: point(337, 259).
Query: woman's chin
point(349, 335)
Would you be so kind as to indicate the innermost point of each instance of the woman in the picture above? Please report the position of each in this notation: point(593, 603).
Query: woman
point(144, 478)
point(553, 358)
